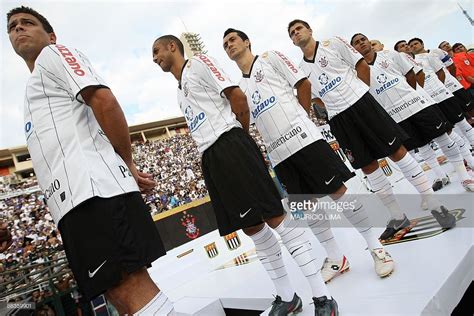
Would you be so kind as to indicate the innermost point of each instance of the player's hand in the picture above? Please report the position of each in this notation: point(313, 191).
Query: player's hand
point(5, 237)
point(144, 180)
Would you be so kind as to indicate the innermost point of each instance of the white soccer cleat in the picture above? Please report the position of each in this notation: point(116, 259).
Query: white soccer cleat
point(468, 185)
point(383, 262)
point(332, 268)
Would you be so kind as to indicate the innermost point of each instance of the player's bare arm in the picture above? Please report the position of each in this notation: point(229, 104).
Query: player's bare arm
point(452, 69)
point(303, 93)
point(111, 119)
point(411, 78)
point(363, 71)
point(441, 75)
point(420, 78)
point(238, 103)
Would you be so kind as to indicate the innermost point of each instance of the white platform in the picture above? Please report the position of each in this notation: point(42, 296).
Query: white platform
point(430, 276)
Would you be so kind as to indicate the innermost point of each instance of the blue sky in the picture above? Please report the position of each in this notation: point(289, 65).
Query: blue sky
point(117, 37)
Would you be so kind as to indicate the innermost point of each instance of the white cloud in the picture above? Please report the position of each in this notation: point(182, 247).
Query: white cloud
point(117, 37)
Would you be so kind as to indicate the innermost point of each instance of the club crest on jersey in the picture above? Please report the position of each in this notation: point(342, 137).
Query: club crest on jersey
point(326, 43)
point(194, 122)
point(323, 61)
point(467, 62)
point(384, 64)
point(186, 89)
point(327, 84)
point(258, 76)
point(261, 106)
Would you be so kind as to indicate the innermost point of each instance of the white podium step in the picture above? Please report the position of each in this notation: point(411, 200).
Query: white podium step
point(199, 306)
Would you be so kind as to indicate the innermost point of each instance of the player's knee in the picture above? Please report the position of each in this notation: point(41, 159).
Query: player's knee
point(399, 154)
point(249, 231)
point(371, 167)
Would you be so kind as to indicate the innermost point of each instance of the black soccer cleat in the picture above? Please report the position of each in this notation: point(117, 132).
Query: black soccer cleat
point(445, 219)
point(282, 308)
point(325, 307)
point(394, 226)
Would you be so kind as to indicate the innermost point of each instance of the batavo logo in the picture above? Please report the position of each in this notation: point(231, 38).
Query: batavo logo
point(71, 60)
point(211, 66)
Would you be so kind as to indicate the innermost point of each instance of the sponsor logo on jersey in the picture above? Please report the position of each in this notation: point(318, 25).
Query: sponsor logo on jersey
point(323, 61)
point(125, 171)
point(349, 46)
point(259, 76)
point(287, 62)
point(284, 138)
point(51, 189)
point(386, 84)
point(71, 60)
point(261, 106)
point(404, 106)
point(28, 129)
point(211, 66)
point(327, 84)
point(194, 122)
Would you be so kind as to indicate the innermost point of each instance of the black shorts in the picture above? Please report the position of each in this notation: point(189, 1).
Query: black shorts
point(314, 169)
point(465, 99)
point(365, 132)
point(452, 110)
point(104, 237)
point(240, 187)
point(423, 127)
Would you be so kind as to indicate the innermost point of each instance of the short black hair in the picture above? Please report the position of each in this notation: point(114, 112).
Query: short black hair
point(241, 34)
point(352, 38)
point(44, 22)
point(395, 47)
point(306, 24)
point(440, 44)
point(415, 39)
point(456, 46)
point(171, 38)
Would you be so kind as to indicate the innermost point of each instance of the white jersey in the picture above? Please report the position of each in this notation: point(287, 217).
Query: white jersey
point(282, 122)
point(416, 66)
point(333, 76)
point(450, 82)
point(433, 86)
point(202, 101)
point(389, 87)
point(72, 157)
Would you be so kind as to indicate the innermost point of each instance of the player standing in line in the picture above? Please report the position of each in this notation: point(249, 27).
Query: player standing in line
point(79, 143)
point(303, 161)
point(377, 45)
point(393, 84)
point(242, 192)
point(340, 80)
point(435, 62)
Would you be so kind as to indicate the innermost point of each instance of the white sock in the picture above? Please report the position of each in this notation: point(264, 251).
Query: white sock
point(269, 252)
point(463, 148)
point(414, 174)
point(383, 189)
point(417, 177)
point(159, 305)
point(321, 228)
point(467, 130)
point(451, 150)
point(296, 240)
point(429, 155)
point(358, 217)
